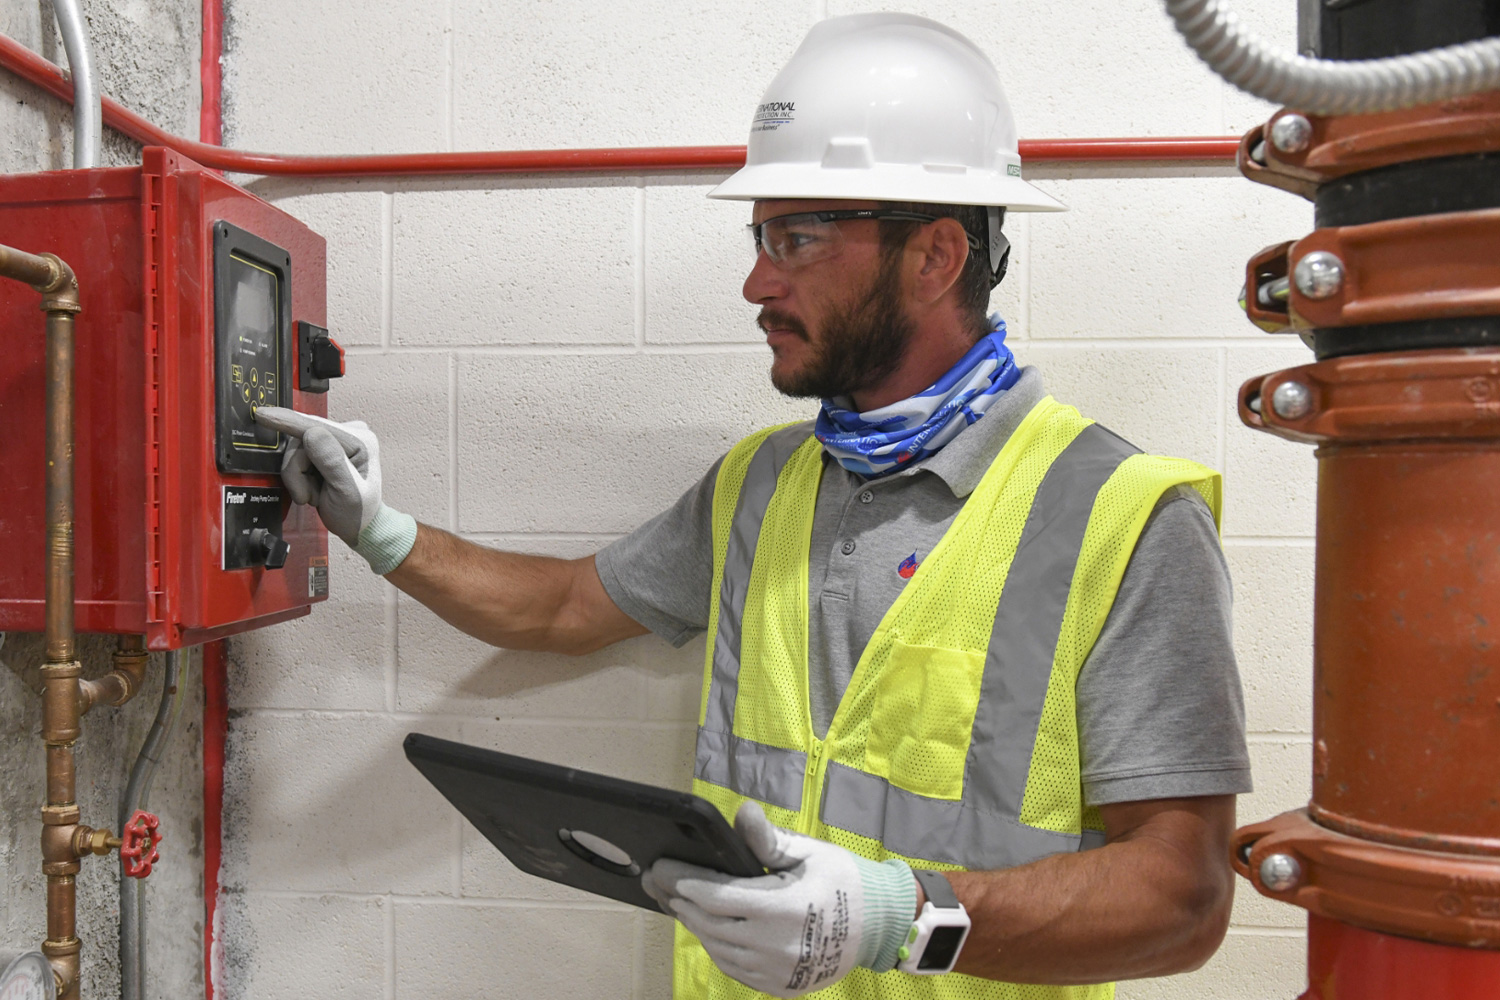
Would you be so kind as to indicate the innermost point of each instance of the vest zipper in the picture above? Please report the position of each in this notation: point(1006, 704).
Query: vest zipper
point(812, 787)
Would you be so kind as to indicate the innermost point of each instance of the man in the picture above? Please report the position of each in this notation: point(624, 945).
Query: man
point(968, 661)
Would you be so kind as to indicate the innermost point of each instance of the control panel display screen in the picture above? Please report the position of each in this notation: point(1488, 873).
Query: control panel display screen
point(252, 344)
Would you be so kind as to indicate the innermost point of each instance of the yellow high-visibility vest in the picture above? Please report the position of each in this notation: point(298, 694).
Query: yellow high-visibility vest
point(956, 743)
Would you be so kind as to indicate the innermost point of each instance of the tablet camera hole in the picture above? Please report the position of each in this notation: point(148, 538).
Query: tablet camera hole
point(598, 851)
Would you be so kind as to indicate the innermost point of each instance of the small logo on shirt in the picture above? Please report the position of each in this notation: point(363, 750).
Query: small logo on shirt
point(908, 567)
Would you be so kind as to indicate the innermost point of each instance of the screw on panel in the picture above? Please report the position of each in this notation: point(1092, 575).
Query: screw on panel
point(1291, 400)
point(1291, 133)
point(1280, 872)
point(1319, 275)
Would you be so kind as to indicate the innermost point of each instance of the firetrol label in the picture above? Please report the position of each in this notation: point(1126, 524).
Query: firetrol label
point(247, 508)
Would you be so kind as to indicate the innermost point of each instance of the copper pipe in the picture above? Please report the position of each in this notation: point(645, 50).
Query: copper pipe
point(120, 684)
point(62, 695)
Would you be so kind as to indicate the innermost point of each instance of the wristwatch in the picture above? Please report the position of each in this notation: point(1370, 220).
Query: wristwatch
point(938, 934)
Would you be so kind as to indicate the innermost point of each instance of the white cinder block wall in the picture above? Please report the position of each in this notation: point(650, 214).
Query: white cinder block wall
point(549, 362)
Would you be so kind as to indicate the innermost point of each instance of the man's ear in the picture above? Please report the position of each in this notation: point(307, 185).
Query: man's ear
point(943, 249)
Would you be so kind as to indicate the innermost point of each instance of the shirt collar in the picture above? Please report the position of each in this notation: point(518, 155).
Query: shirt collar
point(963, 461)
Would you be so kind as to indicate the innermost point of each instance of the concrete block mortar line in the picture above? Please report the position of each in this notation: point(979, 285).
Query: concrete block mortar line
point(1115, 343)
point(1270, 932)
point(450, 76)
point(469, 903)
point(504, 537)
point(640, 264)
point(390, 946)
point(251, 712)
point(572, 350)
point(1290, 541)
point(1222, 451)
point(392, 646)
point(387, 269)
point(452, 443)
point(458, 857)
point(638, 965)
point(1024, 305)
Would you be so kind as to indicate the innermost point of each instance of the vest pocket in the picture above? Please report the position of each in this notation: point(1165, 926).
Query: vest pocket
point(923, 715)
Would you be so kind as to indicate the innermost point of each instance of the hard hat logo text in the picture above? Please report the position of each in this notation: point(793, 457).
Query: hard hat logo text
point(771, 116)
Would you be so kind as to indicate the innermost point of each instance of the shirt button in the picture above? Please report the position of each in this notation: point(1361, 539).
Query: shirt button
point(848, 548)
point(866, 497)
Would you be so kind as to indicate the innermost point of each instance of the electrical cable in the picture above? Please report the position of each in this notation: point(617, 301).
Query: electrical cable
point(137, 796)
point(1332, 87)
point(87, 116)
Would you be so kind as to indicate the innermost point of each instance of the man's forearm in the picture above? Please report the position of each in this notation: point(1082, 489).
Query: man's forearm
point(512, 600)
point(1152, 902)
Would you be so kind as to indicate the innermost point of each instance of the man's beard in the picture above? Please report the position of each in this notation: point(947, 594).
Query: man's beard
point(861, 344)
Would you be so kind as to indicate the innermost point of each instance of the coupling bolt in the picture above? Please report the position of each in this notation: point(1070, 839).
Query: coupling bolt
point(1319, 275)
point(1291, 401)
point(1291, 133)
point(1280, 872)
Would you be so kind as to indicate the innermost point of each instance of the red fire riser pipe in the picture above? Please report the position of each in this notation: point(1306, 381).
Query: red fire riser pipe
point(32, 67)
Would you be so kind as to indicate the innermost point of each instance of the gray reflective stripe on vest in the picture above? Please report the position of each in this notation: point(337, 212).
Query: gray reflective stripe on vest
point(744, 532)
point(957, 833)
point(762, 772)
point(983, 831)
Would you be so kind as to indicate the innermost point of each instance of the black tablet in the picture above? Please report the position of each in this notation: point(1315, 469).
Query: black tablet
point(586, 830)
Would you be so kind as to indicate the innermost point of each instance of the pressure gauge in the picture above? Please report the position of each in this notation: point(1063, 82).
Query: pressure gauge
point(29, 977)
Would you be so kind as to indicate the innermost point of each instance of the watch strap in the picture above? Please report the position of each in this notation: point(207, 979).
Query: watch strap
point(939, 891)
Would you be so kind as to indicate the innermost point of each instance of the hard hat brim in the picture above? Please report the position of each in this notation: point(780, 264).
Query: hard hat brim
point(886, 182)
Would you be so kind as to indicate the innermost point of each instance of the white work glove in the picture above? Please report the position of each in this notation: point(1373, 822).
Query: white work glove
point(820, 912)
point(336, 468)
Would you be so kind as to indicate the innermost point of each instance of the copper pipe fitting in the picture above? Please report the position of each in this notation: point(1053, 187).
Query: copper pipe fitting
point(60, 725)
point(63, 954)
point(120, 684)
point(87, 841)
point(37, 270)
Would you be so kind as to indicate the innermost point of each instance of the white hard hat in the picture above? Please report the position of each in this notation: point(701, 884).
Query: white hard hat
point(886, 107)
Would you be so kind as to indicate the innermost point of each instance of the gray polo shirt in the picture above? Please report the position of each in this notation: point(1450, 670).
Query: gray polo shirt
point(1160, 711)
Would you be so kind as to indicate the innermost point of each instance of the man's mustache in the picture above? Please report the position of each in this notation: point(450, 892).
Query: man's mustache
point(771, 319)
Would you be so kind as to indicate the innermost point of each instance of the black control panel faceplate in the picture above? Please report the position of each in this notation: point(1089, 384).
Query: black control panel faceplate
point(252, 347)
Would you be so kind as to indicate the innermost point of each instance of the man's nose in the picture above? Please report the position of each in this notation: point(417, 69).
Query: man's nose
point(766, 282)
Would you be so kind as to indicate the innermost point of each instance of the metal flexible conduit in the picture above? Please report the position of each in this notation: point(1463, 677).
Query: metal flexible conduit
point(137, 794)
point(1331, 87)
point(87, 112)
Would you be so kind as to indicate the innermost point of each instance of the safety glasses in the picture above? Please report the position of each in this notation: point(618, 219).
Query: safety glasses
point(799, 239)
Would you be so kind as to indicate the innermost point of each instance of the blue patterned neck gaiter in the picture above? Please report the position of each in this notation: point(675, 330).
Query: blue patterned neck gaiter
point(883, 440)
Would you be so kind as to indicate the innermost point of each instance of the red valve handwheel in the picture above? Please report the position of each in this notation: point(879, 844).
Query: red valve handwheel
point(138, 844)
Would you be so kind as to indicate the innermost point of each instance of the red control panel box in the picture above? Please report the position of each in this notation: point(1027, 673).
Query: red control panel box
point(199, 301)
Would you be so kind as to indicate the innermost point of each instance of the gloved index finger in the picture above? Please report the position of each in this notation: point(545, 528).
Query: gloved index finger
point(287, 421)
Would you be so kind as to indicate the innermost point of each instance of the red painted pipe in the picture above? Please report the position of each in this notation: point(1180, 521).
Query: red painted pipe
point(1347, 961)
point(215, 728)
point(211, 75)
point(30, 66)
point(215, 654)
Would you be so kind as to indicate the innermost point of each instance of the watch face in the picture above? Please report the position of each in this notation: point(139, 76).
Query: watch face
point(942, 948)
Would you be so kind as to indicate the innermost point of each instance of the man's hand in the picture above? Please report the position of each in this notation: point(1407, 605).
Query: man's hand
point(820, 912)
point(336, 468)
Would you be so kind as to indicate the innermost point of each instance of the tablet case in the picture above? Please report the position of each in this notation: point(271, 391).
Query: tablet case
point(586, 830)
